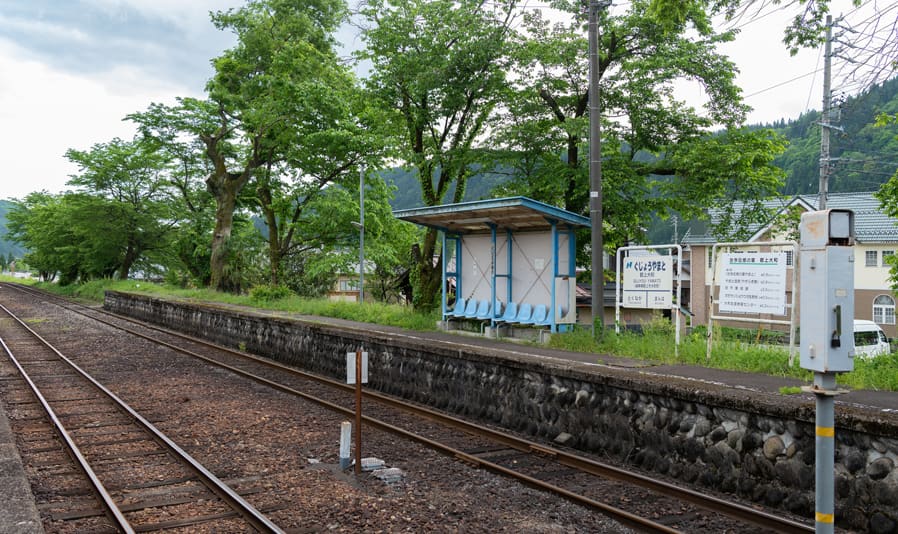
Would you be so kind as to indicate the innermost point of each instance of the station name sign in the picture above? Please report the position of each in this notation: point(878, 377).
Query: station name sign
point(648, 282)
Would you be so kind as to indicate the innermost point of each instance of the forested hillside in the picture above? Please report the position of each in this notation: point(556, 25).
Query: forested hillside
point(7, 247)
point(408, 188)
point(865, 156)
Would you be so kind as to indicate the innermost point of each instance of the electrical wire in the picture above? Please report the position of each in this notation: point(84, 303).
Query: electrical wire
point(780, 84)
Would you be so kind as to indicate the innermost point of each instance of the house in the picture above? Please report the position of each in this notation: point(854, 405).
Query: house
point(345, 288)
point(876, 239)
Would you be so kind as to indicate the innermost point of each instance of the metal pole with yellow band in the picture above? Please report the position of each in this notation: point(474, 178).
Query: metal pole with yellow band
point(827, 334)
point(825, 390)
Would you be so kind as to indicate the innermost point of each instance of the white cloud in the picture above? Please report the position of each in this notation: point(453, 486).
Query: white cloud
point(46, 112)
point(35, 27)
point(187, 15)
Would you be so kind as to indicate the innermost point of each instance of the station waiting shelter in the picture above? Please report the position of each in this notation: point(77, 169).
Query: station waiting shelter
point(511, 261)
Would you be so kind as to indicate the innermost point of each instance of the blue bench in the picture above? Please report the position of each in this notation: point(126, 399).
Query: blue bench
point(510, 312)
point(481, 307)
point(459, 310)
point(470, 308)
point(524, 314)
point(539, 317)
point(489, 314)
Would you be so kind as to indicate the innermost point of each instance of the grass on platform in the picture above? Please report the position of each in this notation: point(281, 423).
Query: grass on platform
point(655, 342)
point(369, 312)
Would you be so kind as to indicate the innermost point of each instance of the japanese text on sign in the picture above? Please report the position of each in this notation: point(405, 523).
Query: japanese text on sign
point(648, 282)
point(753, 283)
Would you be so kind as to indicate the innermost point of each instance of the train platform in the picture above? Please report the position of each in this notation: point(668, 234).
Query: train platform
point(18, 513)
point(882, 401)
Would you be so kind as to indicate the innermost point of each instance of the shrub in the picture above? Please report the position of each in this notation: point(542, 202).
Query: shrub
point(269, 293)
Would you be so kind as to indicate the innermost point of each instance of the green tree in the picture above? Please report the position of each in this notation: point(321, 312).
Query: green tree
point(326, 243)
point(658, 154)
point(290, 195)
point(74, 236)
point(438, 67)
point(188, 256)
point(806, 30)
point(888, 196)
point(129, 199)
point(268, 92)
point(117, 218)
point(31, 223)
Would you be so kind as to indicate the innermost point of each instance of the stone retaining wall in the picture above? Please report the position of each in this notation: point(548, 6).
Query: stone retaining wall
point(757, 446)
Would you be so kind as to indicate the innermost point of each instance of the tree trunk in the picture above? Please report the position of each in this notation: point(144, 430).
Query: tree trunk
point(263, 192)
point(129, 259)
point(225, 200)
point(224, 187)
point(426, 283)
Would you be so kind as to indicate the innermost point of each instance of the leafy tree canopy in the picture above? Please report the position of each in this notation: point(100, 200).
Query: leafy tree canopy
point(658, 153)
point(437, 71)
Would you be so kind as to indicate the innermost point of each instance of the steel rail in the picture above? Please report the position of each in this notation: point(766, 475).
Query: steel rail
point(111, 509)
point(255, 518)
point(731, 509)
point(618, 514)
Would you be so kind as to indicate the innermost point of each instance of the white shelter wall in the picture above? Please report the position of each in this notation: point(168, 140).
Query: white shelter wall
point(532, 278)
point(476, 267)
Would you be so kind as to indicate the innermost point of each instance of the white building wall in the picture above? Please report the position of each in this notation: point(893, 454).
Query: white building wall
point(875, 276)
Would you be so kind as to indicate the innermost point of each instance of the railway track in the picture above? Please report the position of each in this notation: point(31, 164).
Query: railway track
point(580, 479)
point(141, 479)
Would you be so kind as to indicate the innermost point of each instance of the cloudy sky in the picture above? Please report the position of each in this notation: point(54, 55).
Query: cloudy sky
point(70, 70)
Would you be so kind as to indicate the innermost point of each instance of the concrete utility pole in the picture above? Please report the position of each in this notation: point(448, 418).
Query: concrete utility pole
point(825, 116)
point(595, 168)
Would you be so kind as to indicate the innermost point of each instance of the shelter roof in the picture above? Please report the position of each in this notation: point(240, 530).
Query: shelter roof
point(513, 213)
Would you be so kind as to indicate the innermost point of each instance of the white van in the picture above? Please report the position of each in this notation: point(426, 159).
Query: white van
point(869, 339)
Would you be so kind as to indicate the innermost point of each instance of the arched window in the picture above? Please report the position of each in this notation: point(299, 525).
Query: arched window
point(884, 310)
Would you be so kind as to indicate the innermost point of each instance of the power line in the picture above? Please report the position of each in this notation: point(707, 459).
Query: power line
point(780, 84)
point(811, 87)
point(757, 18)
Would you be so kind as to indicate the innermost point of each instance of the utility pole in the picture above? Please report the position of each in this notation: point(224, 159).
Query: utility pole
point(595, 170)
point(826, 116)
point(361, 226)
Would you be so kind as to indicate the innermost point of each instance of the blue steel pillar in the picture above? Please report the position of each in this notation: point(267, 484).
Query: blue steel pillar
point(445, 279)
point(555, 264)
point(493, 277)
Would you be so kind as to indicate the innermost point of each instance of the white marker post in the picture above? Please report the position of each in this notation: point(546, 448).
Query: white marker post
point(345, 444)
point(356, 374)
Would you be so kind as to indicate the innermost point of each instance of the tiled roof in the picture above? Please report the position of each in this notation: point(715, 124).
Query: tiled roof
point(870, 224)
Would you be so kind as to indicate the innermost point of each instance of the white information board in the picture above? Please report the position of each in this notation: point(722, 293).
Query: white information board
point(753, 283)
point(648, 282)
